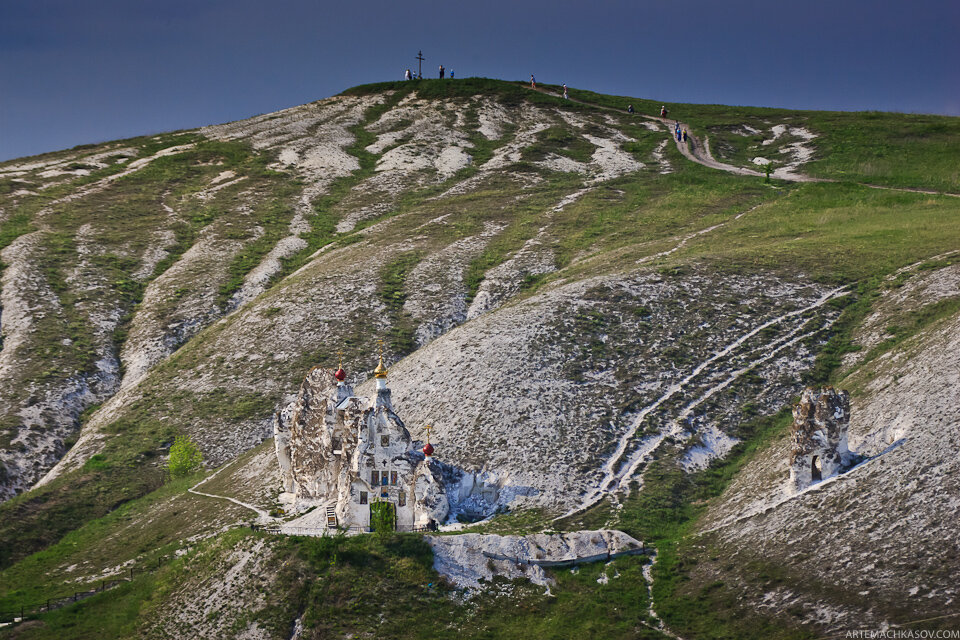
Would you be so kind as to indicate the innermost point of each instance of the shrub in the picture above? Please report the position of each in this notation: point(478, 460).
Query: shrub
point(185, 457)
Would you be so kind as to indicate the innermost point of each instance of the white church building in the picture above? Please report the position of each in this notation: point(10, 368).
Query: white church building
point(353, 457)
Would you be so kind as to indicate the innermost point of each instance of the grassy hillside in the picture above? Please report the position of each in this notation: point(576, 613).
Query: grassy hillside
point(184, 283)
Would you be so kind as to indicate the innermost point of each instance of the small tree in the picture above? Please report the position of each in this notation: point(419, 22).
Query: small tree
point(185, 457)
point(383, 518)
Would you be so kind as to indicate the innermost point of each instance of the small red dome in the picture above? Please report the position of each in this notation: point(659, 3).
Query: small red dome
point(428, 450)
point(340, 374)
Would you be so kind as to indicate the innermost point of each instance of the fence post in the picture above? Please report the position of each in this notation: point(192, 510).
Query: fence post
point(131, 574)
point(21, 612)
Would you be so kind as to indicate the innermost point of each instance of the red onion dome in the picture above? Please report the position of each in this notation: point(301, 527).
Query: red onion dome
point(428, 450)
point(340, 374)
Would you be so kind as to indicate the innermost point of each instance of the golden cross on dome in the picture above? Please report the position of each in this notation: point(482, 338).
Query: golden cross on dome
point(340, 358)
point(428, 429)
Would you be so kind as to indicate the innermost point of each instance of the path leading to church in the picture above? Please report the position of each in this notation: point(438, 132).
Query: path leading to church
point(263, 515)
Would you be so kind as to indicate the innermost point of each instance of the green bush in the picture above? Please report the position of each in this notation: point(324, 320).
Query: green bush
point(185, 457)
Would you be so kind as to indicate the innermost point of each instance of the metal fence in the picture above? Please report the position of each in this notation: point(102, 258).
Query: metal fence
point(27, 610)
point(51, 604)
point(330, 531)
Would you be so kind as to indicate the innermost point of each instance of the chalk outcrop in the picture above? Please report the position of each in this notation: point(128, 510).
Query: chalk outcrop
point(819, 437)
point(470, 559)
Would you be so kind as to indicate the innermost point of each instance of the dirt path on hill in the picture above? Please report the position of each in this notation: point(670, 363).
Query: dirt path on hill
point(263, 515)
point(622, 466)
point(699, 152)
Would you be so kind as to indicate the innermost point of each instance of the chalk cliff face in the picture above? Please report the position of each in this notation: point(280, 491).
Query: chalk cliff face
point(260, 247)
point(873, 542)
point(468, 559)
point(819, 436)
point(564, 296)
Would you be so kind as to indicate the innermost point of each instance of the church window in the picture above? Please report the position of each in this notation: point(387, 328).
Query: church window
point(402, 498)
point(374, 477)
point(383, 479)
point(384, 441)
point(363, 497)
point(393, 477)
point(336, 445)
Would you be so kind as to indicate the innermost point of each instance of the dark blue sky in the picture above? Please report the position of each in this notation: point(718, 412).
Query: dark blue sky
point(75, 72)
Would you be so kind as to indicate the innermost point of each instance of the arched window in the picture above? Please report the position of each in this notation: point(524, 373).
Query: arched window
point(815, 470)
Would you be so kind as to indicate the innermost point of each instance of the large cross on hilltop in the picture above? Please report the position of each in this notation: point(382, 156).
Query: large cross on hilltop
point(420, 60)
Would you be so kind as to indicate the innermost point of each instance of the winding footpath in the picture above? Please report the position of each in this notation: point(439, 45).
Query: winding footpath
point(262, 514)
point(699, 152)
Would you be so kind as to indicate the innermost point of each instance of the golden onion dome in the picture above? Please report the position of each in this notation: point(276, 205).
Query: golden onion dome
point(380, 371)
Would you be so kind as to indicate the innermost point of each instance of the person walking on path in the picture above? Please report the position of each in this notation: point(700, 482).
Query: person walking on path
point(663, 111)
point(684, 135)
point(407, 75)
point(533, 82)
point(565, 96)
point(629, 108)
point(441, 72)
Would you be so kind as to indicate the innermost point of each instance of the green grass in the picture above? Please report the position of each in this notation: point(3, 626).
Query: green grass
point(357, 583)
point(835, 233)
point(111, 614)
point(509, 94)
point(123, 534)
point(273, 215)
point(352, 585)
point(559, 140)
point(912, 323)
point(14, 227)
point(323, 221)
point(393, 294)
point(33, 521)
point(891, 149)
point(665, 512)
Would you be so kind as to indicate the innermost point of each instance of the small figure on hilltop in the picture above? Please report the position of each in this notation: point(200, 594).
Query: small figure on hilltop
point(451, 74)
point(407, 75)
point(565, 95)
point(663, 111)
point(533, 82)
point(629, 108)
point(441, 72)
point(684, 135)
